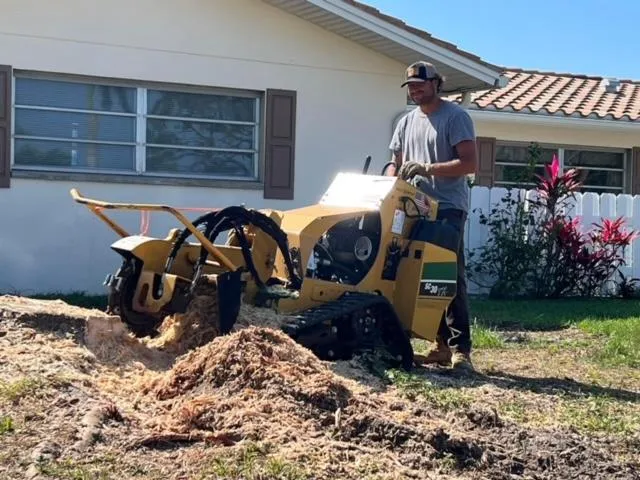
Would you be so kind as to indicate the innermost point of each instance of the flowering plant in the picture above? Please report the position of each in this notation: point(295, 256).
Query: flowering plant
point(536, 249)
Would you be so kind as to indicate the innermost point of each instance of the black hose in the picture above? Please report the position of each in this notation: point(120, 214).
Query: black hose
point(184, 235)
point(236, 217)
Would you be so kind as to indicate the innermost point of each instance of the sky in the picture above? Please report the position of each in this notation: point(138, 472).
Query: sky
point(592, 37)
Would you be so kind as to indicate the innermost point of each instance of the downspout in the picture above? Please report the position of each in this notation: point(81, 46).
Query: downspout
point(466, 100)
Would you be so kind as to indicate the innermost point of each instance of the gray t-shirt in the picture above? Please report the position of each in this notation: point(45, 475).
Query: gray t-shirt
point(432, 139)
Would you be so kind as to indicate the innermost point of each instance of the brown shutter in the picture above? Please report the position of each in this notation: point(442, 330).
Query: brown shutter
point(635, 170)
point(5, 126)
point(486, 161)
point(280, 144)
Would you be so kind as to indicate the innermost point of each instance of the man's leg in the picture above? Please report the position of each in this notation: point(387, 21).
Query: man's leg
point(458, 320)
point(454, 331)
point(458, 314)
point(459, 338)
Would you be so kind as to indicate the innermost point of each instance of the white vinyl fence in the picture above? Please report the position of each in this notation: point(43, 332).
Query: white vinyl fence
point(589, 207)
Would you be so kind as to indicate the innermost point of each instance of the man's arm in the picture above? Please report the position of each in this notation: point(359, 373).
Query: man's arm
point(391, 170)
point(396, 148)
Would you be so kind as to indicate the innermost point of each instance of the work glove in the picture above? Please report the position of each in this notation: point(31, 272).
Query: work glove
point(410, 169)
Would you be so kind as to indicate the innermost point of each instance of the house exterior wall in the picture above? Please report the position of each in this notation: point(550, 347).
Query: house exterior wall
point(556, 134)
point(600, 138)
point(347, 97)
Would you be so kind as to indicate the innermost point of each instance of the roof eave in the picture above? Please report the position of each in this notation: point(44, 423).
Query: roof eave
point(543, 119)
point(471, 73)
point(481, 70)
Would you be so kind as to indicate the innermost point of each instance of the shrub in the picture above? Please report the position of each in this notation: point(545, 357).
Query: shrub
point(537, 250)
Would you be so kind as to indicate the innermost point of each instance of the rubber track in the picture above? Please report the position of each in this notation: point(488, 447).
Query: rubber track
point(313, 328)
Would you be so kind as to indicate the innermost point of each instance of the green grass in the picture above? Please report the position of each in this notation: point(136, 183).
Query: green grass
point(484, 337)
point(615, 325)
point(253, 462)
point(98, 467)
point(18, 389)
point(413, 386)
point(6, 425)
point(621, 340)
point(79, 299)
point(550, 314)
point(70, 470)
point(599, 414)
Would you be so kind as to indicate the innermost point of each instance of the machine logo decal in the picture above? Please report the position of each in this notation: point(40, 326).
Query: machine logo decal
point(438, 279)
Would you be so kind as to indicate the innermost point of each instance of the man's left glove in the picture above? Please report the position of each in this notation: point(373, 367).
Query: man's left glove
point(408, 170)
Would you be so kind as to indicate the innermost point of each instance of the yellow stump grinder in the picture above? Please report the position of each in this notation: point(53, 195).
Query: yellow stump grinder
point(366, 268)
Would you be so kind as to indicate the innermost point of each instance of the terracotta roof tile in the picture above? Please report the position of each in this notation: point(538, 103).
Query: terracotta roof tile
point(560, 94)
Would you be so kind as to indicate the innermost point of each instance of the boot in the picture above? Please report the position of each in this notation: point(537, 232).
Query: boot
point(462, 361)
point(441, 354)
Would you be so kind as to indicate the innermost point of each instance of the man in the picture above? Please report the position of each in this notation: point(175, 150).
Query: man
point(434, 148)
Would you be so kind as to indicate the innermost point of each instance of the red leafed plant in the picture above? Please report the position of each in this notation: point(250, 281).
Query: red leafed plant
point(536, 249)
point(581, 262)
point(553, 186)
point(612, 232)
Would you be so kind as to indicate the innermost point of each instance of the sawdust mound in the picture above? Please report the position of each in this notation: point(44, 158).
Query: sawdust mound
point(53, 316)
point(113, 344)
point(199, 325)
point(254, 383)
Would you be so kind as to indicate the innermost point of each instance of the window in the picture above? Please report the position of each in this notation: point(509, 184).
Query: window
point(110, 128)
point(73, 125)
point(512, 163)
point(603, 170)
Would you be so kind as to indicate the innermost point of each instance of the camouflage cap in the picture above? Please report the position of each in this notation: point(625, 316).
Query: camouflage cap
point(420, 72)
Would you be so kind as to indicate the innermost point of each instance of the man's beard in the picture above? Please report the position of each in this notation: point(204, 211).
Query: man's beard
point(424, 99)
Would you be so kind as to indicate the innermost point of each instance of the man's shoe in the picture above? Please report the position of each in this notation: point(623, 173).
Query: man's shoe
point(461, 361)
point(440, 355)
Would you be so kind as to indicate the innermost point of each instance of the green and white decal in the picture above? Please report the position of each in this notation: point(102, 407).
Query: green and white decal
point(439, 279)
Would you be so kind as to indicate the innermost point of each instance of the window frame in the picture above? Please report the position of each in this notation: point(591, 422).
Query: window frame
point(138, 173)
point(560, 149)
point(525, 145)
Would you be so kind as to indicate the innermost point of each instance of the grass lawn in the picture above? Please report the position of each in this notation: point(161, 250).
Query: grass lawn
point(611, 327)
point(568, 363)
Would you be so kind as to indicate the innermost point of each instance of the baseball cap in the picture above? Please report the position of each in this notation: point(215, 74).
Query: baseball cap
point(420, 72)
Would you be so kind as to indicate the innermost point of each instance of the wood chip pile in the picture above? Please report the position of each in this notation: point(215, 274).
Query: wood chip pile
point(256, 383)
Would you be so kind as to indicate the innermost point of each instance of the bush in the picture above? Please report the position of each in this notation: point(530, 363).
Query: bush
point(536, 250)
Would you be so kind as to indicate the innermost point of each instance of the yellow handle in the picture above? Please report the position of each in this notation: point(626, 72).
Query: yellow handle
point(96, 205)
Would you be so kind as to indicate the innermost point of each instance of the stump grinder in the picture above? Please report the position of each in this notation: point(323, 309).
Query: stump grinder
point(368, 267)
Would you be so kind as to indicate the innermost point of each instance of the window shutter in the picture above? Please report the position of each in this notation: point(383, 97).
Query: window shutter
point(486, 161)
point(280, 144)
point(5, 126)
point(635, 170)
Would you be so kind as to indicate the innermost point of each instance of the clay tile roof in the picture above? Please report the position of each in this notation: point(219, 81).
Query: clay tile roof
point(561, 94)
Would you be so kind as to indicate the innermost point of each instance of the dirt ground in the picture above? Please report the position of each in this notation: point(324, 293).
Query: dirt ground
point(81, 399)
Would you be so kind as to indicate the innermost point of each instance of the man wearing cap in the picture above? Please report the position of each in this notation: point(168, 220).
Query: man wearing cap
point(434, 148)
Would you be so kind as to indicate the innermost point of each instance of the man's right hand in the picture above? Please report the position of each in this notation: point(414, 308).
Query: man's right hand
point(411, 169)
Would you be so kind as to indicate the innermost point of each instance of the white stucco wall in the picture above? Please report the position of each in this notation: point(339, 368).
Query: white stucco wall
point(559, 134)
point(347, 99)
point(566, 133)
